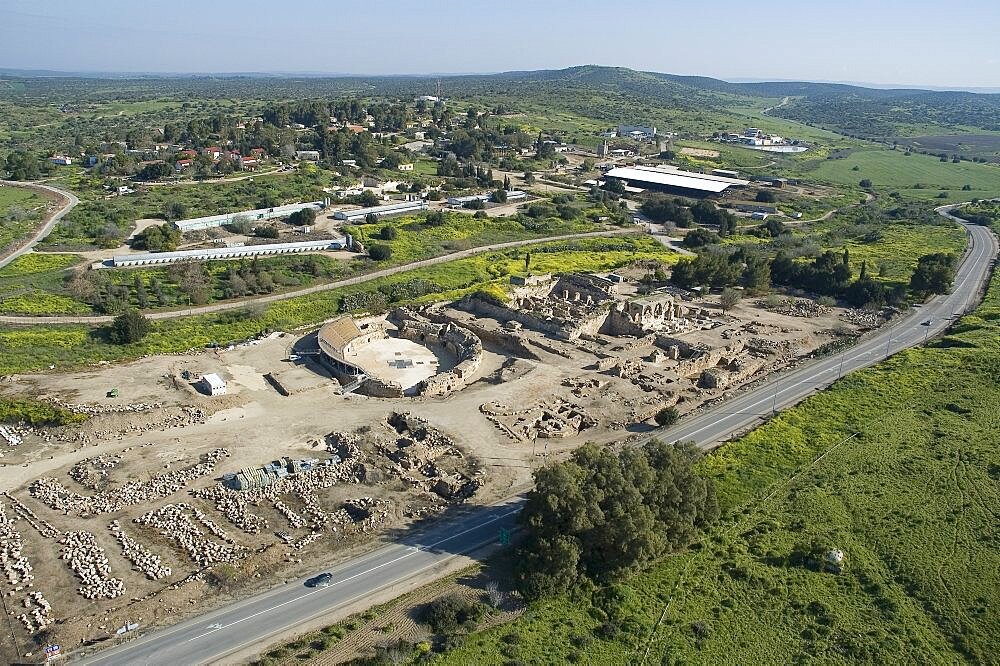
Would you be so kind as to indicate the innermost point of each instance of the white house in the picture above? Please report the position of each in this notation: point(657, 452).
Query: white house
point(61, 160)
point(212, 384)
point(405, 166)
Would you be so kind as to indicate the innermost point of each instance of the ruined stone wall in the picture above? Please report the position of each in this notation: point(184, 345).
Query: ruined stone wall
point(509, 342)
point(483, 308)
point(463, 343)
point(378, 388)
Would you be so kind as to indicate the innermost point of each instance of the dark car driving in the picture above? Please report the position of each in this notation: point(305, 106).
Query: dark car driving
point(322, 580)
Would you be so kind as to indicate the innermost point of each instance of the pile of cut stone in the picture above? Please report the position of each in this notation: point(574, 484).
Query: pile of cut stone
point(175, 521)
point(18, 574)
point(90, 564)
point(140, 557)
point(55, 495)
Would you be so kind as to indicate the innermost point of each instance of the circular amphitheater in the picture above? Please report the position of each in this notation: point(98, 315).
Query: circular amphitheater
point(412, 357)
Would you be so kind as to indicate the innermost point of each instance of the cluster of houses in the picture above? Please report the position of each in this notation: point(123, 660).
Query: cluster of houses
point(753, 136)
point(186, 157)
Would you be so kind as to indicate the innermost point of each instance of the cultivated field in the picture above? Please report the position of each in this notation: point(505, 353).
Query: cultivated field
point(917, 176)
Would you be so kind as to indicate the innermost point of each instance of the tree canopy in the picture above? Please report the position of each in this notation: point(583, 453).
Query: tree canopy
point(933, 275)
point(602, 514)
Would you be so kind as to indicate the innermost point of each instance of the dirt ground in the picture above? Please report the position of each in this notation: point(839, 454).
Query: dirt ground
point(160, 425)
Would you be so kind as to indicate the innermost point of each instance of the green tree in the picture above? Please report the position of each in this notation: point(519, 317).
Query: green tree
point(387, 233)
point(602, 514)
point(157, 238)
point(499, 196)
point(174, 210)
point(380, 252)
point(128, 327)
point(865, 183)
point(22, 165)
point(667, 416)
point(729, 298)
point(765, 196)
point(303, 218)
point(933, 275)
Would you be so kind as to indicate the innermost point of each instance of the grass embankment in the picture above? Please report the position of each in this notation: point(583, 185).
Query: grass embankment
point(24, 349)
point(915, 176)
point(911, 499)
point(20, 211)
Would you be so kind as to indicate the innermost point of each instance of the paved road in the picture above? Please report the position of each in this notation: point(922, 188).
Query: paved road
point(220, 635)
point(228, 631)
point(69, 201)
point(359, 279)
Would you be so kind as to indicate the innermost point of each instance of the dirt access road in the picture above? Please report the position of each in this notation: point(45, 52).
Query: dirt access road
point(69, 201)
point(359, 279)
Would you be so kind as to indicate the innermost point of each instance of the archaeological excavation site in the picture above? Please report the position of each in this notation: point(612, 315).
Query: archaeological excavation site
point(195, 478)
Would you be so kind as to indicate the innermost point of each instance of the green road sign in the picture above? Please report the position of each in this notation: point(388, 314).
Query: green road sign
point(504, 536)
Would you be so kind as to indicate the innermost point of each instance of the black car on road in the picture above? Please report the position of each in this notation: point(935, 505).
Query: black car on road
point(322, 580)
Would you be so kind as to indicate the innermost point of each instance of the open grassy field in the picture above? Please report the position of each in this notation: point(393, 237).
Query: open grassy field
point(894, 256)
point(25, 349)
point(890, 255)
point(415, 239)
point(33, 284)
point(916, 176)
point(20, 211)
point(896, 466)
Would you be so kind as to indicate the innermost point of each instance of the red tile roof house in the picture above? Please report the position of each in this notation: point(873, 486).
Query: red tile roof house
point(180, 165)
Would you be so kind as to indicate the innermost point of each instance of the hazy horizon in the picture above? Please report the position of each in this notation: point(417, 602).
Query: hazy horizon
point(859, 43)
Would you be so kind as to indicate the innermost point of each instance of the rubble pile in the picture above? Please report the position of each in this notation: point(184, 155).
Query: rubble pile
point(17, 573)
point(93, 410)
point(141, 558)
point(175, 522)
point(11, 435)
point(236, 504)
point(864, 319)
point(796, 307)
point(56, 496)
point(367, 513)
point(550, 419)
point(94, 473)
point(90, 564)
point(294, 519)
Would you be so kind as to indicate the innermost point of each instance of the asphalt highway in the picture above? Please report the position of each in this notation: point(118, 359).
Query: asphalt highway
point(210, 638)
point(253, 622)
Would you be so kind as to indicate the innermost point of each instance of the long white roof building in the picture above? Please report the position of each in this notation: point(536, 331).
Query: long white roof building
point(675, 180)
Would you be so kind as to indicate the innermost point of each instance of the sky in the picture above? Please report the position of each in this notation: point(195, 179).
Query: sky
point(916, 42)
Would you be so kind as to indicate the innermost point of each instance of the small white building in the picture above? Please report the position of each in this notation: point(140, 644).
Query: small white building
point(405, 166)
point(61, 160)
point(212, 384)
